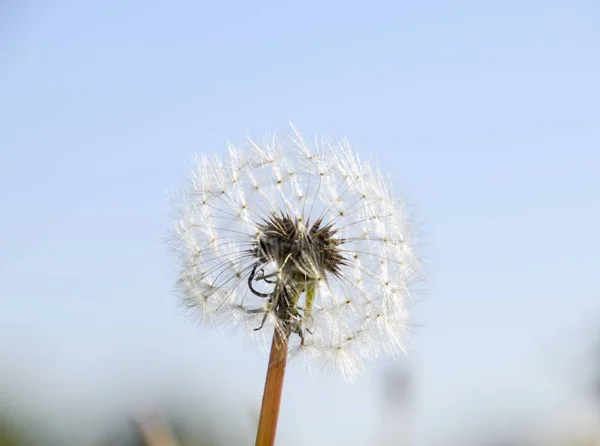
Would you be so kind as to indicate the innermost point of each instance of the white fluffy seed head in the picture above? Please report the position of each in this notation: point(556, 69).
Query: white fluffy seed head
point(302, 237)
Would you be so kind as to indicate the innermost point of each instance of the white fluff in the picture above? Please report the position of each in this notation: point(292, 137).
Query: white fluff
point(358, 312)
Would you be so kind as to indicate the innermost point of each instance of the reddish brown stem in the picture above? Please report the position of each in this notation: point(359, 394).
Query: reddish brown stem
point(269, 411)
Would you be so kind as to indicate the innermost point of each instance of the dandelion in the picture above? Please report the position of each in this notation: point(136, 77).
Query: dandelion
point(302, 240)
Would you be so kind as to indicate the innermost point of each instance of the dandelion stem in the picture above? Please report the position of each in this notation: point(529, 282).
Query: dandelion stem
point(269, 411)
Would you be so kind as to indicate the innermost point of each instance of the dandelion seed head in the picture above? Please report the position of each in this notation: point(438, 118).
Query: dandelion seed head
point(304, 238)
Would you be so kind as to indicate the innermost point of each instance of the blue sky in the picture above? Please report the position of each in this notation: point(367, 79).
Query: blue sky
point(486, 114)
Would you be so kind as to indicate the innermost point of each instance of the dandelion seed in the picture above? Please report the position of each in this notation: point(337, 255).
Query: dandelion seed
point(305, 239)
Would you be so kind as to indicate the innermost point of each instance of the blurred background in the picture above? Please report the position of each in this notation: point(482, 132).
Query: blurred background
point(486, 114)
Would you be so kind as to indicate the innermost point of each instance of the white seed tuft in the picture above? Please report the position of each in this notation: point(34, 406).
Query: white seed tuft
point(304, 238)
